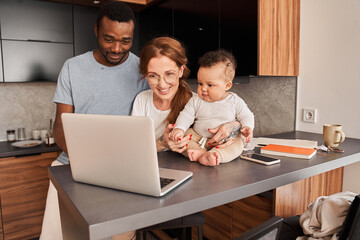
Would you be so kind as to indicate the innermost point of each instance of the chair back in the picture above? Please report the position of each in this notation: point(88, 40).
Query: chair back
point(351, 227)
point(268, 230)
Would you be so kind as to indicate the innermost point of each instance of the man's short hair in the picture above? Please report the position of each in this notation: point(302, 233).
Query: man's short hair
point(115, 11)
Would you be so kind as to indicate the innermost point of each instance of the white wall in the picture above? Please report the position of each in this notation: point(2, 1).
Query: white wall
point(329, 78)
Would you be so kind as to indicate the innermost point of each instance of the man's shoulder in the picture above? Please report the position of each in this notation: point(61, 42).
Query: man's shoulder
point(79, 58)
point(133, 59)
point(132, 55)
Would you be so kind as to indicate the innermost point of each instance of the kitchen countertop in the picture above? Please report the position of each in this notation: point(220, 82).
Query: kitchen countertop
point(6, 150)
point(93, 212)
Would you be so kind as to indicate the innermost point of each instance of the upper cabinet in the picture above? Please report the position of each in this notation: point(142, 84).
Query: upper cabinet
point(29, 61)
point(197, 27)
point(201, 29)
point(37, 37)
point(238, 27)
point(278, 37)
point(84, 33)
point(36, 21)
point(263, 35)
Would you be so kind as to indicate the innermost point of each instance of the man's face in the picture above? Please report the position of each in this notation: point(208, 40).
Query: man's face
point(114, 41)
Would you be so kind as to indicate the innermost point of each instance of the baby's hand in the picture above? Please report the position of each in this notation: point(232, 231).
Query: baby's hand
point(247, 132)
point(176, 134)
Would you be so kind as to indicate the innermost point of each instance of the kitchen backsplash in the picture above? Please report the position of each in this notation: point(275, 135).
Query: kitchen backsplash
point(27, 105)
point(271, 99)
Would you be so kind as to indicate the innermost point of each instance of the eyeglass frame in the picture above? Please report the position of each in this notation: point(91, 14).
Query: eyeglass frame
point(177, 75)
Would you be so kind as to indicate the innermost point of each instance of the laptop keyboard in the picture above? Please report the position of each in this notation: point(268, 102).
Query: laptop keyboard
point(165, 181)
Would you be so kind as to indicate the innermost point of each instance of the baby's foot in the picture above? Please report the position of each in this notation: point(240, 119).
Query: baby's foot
point(195, 154)
point(209, 159)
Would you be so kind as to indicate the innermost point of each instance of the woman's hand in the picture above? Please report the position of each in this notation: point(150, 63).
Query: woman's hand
point(175, 146)
point(176, 135)
point(225, 134)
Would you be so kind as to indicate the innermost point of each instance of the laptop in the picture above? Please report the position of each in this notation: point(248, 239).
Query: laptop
point(117, 152)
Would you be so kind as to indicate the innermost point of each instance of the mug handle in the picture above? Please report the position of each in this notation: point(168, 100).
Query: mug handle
point(342, 134)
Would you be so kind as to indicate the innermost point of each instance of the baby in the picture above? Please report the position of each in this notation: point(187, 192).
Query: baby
point(212, 106)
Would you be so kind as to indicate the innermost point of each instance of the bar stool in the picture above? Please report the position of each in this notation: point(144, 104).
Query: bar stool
point(186, 222)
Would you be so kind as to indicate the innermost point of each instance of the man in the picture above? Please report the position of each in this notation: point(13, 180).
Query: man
point(103, 81)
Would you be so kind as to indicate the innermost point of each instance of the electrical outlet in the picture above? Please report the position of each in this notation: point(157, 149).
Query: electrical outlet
point(309, 115)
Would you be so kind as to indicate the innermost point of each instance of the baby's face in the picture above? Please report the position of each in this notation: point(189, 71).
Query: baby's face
point(212, 83)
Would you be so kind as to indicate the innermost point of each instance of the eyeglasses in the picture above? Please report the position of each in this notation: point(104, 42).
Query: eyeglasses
point(169, 77)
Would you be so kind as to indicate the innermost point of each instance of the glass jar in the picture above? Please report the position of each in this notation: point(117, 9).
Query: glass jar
point(10, 135)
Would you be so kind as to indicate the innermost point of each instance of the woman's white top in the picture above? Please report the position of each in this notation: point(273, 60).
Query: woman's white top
point(144, 106)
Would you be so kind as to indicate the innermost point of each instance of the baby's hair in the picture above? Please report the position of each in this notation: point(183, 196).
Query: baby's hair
point(212, 58)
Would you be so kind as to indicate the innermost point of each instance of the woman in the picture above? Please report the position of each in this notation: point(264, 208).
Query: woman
point(163, 62)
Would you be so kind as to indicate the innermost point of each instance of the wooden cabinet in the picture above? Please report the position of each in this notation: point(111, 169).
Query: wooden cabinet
point(278, 37)
point(306, 191)
point(259, 208)
point(23, 189)
point(218, 222)
point(231, 220)
point(1, 229)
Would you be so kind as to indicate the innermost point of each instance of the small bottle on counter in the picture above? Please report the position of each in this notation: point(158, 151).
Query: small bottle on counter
point(50, 138)
point(10, 135)
point(50, 141)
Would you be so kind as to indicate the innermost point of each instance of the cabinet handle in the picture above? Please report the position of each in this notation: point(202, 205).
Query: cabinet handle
point(27, 155)
point(33, 40)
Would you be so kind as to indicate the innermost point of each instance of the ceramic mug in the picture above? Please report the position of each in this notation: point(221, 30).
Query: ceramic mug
point(35, 134)
point(43, 134)
point(333, 135)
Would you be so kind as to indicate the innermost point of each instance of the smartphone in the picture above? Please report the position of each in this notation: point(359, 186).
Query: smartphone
point(260, 158)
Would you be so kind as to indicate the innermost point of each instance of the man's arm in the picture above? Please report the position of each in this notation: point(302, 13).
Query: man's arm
point(58, 127)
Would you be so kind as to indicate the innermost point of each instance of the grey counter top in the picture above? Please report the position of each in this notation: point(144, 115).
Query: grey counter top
point(100, 212)
point(6, 150)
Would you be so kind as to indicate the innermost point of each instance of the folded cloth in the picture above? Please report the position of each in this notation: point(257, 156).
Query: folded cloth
point(325, 216)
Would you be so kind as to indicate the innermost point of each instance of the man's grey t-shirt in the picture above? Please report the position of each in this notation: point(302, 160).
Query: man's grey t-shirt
point(93, 88)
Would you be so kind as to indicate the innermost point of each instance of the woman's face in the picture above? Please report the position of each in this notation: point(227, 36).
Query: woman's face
point(163, 77)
